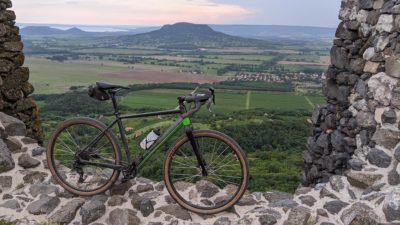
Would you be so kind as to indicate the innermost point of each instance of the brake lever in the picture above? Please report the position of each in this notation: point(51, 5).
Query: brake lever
point(209, 104)
point(212, 90)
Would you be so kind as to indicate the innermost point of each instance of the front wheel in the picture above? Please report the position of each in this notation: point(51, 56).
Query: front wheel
point(227, 173)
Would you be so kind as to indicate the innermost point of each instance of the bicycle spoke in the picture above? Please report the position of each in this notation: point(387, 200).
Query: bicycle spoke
point(73, 140)
point(94, 176)
point(185, 164)
point(223, 167)
point(218, 156)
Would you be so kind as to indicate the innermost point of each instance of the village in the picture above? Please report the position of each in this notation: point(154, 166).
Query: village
point(273, 78)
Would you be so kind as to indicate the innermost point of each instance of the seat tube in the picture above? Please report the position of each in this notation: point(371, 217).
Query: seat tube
point(121, 127)
point(193, 143)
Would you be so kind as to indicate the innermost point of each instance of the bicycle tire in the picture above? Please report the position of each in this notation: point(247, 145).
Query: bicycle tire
point(52, 163)
point(177, 196)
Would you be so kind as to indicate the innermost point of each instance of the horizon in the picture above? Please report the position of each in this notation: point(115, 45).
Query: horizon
point(158, 12)
point(134, 26)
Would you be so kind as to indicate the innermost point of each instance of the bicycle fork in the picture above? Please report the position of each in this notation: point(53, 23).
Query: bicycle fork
point(199, 155)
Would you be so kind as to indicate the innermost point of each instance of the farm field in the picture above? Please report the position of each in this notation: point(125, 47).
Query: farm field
point(49, 77)
point(226, 101)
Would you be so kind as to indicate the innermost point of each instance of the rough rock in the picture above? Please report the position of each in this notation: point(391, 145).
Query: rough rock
point(13, 126)
point(335, 206)
point(381, 85)
point(386, 138)
point(307, 200)
point(267, 219)
point(38, 151)
point(11, 204)
point(6, 161)
point(361, 179)
point(26, 161)
point(379, 158)
point(206, 189)
point(144, 188)
point(385, 23)
point(45, 205)
point(116, 200)
point(37, 189)
point(6, 181)
point(14, 144)
point(359, 212)
point(122, 188)
point(123, 217)
point(146, 207)
point(222, 221)
point(339, 57)
point(92, 210)
point(392, 66)
point(34, 177)
point(391, 205)
point(176, 211)
point(67, 212)
point(298, 215)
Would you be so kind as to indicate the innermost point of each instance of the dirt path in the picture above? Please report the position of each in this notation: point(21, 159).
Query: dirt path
point(248, 99)
point(310, 102)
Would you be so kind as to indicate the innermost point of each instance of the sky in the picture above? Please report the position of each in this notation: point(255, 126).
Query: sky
point(323, 13)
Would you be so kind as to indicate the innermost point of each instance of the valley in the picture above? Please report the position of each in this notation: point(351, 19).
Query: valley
point(266, 88)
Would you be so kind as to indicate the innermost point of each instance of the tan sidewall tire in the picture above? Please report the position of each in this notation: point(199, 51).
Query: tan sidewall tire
point(219, 136)
point(110, 136)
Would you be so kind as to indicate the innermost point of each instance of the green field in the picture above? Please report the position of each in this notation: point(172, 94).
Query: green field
point(227, 101)
point(54, 77)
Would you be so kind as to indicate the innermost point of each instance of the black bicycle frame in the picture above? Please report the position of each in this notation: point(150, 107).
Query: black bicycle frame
point(182, 121)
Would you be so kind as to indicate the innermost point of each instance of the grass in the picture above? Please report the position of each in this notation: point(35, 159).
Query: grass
point(6, 222)
point(54, 77)
point(227, 101)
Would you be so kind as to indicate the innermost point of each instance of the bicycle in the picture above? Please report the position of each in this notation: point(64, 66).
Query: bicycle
point(204, 171)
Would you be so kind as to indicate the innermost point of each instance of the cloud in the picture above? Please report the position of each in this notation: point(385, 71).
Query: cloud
point(128, 12)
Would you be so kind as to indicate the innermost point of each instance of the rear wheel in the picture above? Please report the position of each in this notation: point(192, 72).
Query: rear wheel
point(225, 163)
point(69, 144)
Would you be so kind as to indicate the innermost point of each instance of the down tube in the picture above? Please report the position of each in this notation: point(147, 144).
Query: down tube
point(171, 131)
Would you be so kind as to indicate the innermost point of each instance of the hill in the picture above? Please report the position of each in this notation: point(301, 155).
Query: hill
point(273, 31)
point(40, 31)
point(49, 31)
point(187, 36)
point(262, 32)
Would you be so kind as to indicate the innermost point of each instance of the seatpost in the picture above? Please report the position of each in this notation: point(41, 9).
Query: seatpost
point(114, 101)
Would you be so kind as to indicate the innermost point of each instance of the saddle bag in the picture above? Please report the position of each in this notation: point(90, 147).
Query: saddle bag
point(97, 93)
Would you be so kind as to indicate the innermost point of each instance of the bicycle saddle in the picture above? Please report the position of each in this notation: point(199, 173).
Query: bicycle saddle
point(105, 86)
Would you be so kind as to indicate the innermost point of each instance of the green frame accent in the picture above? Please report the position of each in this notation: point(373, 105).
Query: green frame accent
point(186, 121)
point(180, 125)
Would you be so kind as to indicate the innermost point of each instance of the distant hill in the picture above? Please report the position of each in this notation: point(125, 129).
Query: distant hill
point(41, 30)
point(48, 31)
point(268, 31)
point(186, 35)
point(262, 32)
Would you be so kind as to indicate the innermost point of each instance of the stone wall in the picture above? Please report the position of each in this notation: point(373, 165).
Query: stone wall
point(360, 122)
point(29, 196)
point(14, 86)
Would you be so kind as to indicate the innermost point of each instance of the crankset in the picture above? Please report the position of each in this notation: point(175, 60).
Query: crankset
point(129, 173)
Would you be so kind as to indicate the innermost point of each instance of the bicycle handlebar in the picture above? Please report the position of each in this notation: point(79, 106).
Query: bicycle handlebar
point(199, 99)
